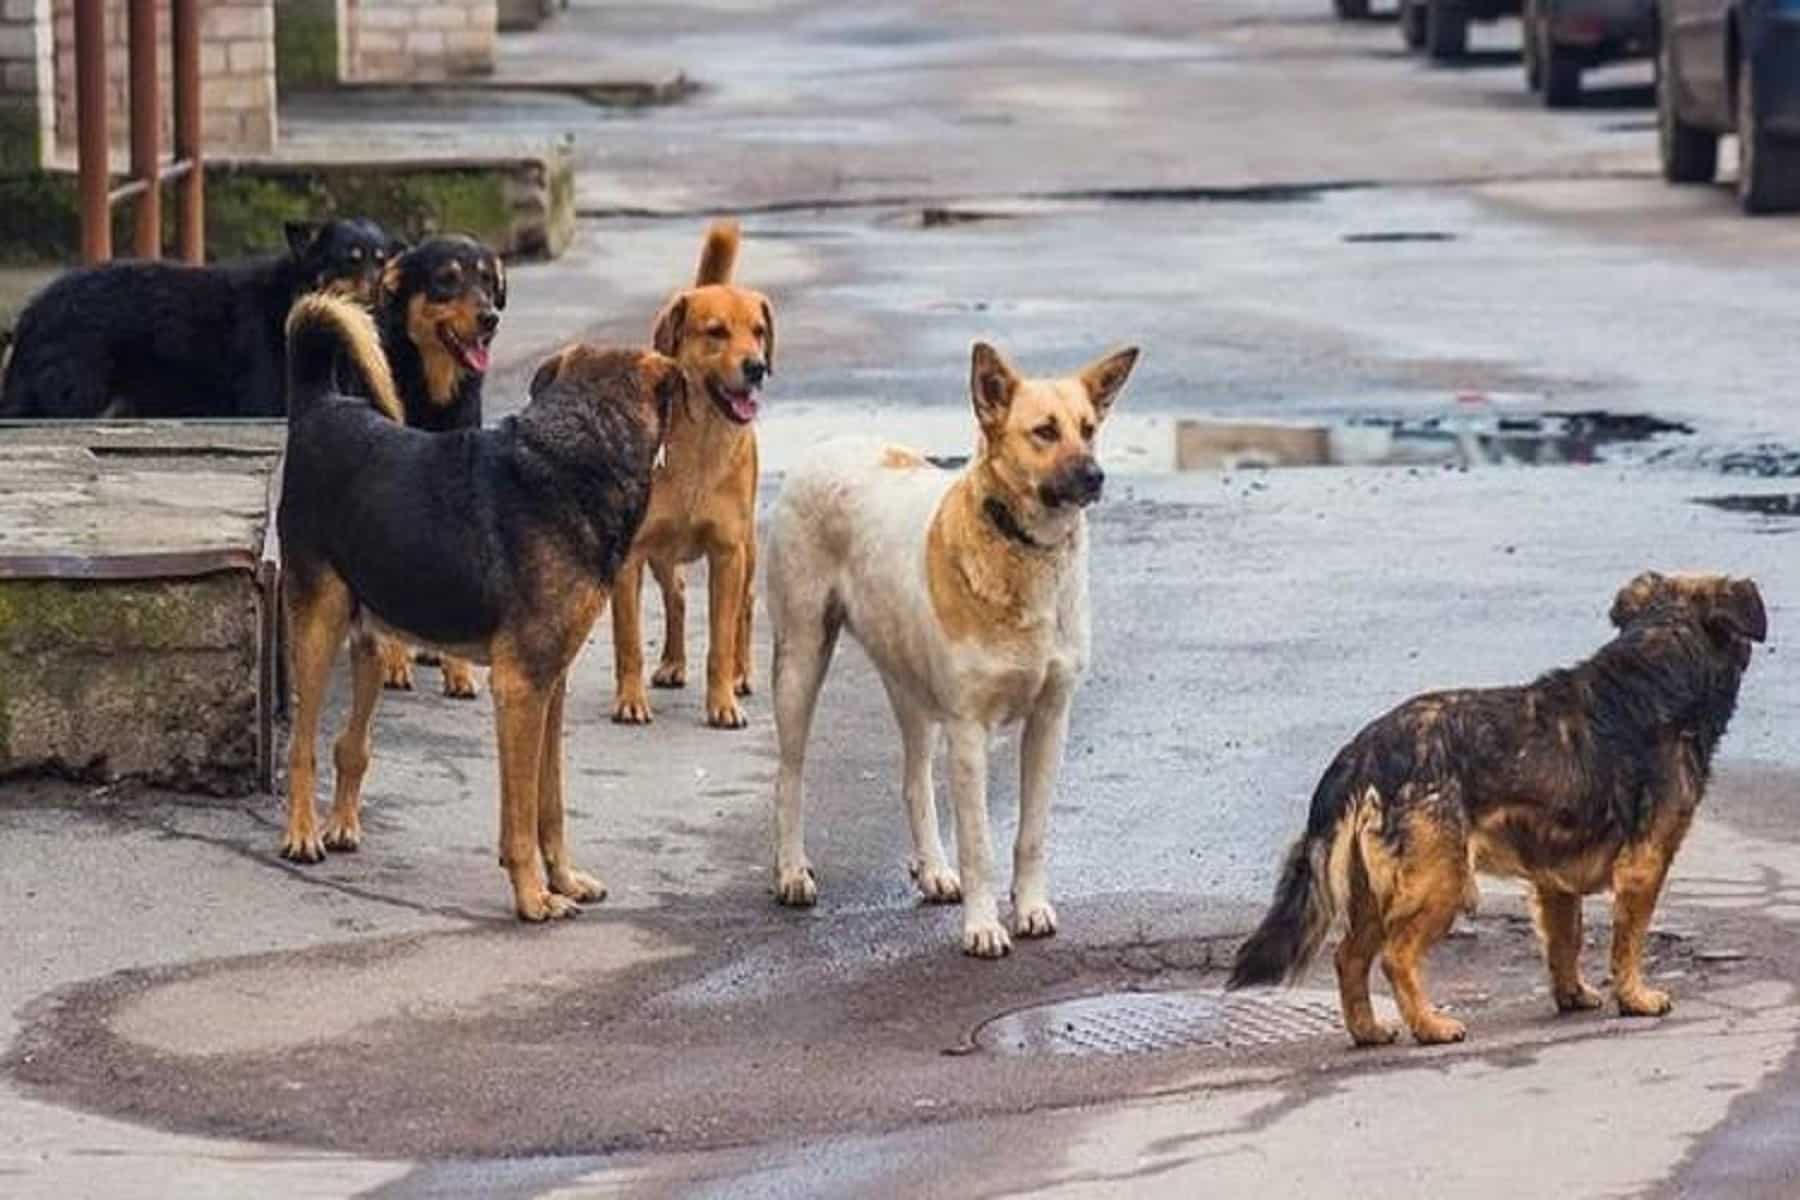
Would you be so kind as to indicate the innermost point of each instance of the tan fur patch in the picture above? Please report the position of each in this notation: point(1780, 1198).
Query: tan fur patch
point(443, 372)
point(901, 458)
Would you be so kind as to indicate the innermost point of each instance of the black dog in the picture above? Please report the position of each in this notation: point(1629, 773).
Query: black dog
point(159, 339)
point(498, 544)
point(438, 310)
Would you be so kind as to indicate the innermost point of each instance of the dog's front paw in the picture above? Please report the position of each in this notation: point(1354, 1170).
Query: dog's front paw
point(303, 846)
point(724, 713)
point(343, 835)
point(938, 884)
point(1034, 920)
point(577, 885)
point(1375, 1033)
point(670, 675)
point(986, 939)
point(1642, 1001)
point(396, 671)
point(1435, 1029)
point(541, 905)
point(459, 680)
point(796, 887)
point(1581, 999)
point(631, 709)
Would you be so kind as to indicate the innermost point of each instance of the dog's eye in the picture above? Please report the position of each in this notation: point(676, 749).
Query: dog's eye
point(757, 332)
point(716, 331)
point(1047, 432)
point(356, 254)
point(1087, 431)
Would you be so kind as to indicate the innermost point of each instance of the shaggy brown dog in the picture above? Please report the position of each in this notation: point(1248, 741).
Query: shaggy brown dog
point(1584, 781)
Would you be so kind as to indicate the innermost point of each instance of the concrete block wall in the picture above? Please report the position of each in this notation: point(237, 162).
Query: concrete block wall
point(237, 75)
point(400, 41)
point(27, 85)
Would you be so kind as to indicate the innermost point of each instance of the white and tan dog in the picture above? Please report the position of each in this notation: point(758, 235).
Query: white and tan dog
point(969, 592)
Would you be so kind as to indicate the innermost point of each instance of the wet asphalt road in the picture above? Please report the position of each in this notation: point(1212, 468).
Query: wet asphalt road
point(690, 1038)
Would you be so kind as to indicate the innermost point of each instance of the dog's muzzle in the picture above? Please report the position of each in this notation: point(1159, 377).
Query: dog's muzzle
point(1079, 483)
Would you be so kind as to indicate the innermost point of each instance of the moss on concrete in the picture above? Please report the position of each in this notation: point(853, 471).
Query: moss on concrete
point(306, 44)
point(21, 137)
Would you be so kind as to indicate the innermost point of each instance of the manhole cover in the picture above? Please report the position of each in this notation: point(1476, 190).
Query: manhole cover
point(1149, 1022)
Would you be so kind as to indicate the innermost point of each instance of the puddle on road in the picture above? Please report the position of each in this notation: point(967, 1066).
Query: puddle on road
point(1398, 236)
point(1771, 505)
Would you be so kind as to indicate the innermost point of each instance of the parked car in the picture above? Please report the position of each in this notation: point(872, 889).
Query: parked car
point(1563, 38)
point(1732, 66)
point(1441, 27)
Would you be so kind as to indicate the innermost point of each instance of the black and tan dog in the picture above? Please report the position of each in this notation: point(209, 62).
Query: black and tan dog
point(1584, 781)
point(499, 545)
point(438, 309)
point(161, 339)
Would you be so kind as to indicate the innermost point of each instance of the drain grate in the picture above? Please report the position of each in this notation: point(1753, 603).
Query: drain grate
point(1151, 1022)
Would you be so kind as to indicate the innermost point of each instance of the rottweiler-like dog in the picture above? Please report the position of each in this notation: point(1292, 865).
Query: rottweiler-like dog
point(1584, 781)
point(500, 545)
point(161, 339)
point(438, 309)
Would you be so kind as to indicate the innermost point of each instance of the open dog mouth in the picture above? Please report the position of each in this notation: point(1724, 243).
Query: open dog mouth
point(737, 403)
point(472, 354)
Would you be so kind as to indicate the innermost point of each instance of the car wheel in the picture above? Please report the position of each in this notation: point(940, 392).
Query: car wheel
point(1690, 154)
point(1768, 166)
point(1446, 30)
point(1351, 10)
point(1561, 70)
point(1528, 47)
point(1412, 23)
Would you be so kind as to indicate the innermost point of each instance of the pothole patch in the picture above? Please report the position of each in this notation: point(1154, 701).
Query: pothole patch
point(1126, 1023)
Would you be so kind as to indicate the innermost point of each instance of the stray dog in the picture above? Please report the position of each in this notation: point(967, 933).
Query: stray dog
point(496, 544)
point(438, 310)
point(704, 499)
point(161, 339)
point(1581, 782)
point(969, 592)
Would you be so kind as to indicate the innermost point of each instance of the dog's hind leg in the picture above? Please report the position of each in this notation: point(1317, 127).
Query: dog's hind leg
point(318, 614)
point(1355, 955)
point(1040, 759)
point(930, 866)
point(671, 672)
point(521, 711)
point(343, 830)
point(564, 879)
point(1637, 880)
point(805, 635)
point(1429, 884)
point(1557, 915)
point(983, 934)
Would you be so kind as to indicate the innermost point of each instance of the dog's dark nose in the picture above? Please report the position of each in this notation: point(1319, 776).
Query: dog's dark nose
point(1089, 479)
point(755, 369)
point(488, 321)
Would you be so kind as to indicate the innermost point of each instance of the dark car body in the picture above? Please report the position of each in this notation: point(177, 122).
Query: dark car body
point(1441, 27)
point(1563, 38)
point(1732, 66)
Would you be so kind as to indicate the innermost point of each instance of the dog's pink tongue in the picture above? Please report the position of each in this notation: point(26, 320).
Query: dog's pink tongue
point(477, 358)
point(743, 406)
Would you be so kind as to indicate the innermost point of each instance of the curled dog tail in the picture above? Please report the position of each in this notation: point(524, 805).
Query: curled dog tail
point(1306, 903)
point(325, 333)
point(718, 256)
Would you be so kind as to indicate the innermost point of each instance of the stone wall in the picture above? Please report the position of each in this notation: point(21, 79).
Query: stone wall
point(308, 50)
point(396, 41)
point(27, 86)
point(237, 75)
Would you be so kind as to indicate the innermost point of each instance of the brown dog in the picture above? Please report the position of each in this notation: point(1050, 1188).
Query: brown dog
point(1584, 781)
point(703, 500)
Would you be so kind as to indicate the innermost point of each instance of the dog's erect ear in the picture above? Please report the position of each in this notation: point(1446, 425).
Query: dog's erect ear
point(666, 337)
point(1738, 607)
point(1635, 597)
point(768, 335)
point(301, 235)
point(1104, 377)
point(499, 283)
point(547, 372)
point(992, 382)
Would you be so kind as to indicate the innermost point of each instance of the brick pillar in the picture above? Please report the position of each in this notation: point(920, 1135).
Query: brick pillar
point(27, 85)
point(237, 75)
point(403, 41)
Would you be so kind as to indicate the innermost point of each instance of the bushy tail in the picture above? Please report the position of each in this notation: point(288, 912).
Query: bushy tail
point(1305, 904)
point(324, 334)
point(718, 256)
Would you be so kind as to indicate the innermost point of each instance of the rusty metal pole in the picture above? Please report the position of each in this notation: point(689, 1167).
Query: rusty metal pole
point(190, 203)
point(90, 129)
point(146, 128)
